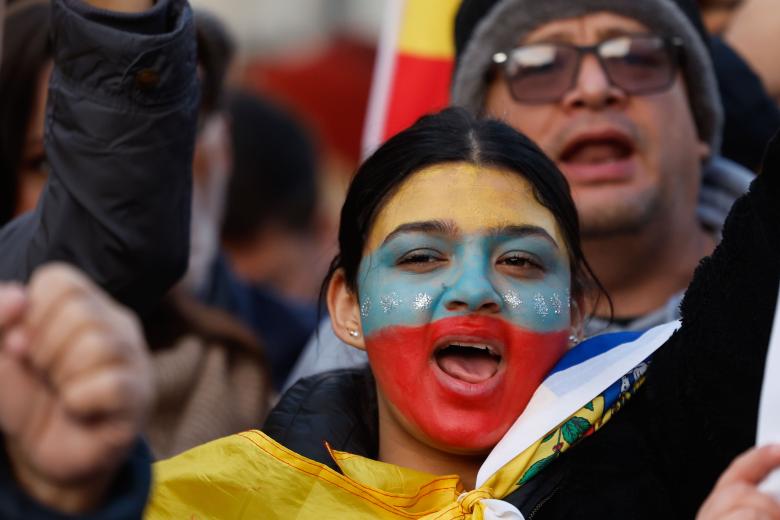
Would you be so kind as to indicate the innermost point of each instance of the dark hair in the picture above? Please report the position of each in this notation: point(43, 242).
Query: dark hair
point(26, 49)
point(454, 135)
point(274, 170)
point(215, 53)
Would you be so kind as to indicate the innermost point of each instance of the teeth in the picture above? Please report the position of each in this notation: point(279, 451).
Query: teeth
point(484, 348)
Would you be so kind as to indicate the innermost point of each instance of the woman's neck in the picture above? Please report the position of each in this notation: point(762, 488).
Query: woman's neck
point(397, 446)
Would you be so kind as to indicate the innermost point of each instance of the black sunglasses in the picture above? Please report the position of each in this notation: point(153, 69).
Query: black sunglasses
point(545, 72)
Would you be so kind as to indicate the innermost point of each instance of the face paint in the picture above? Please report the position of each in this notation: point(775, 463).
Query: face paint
point(421, 302)
point(449, 411)
point(512, 299)
point(468, 323)
point(390, 302)
point(365, 307)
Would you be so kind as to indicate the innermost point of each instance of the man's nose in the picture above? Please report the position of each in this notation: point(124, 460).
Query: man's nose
point(472, 291)
point(592, 88)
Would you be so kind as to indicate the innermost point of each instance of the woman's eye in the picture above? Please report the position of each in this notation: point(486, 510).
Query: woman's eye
point(520, 263)
point(421, 260)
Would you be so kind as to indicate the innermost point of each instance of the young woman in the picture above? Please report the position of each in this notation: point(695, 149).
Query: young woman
point(460, 274)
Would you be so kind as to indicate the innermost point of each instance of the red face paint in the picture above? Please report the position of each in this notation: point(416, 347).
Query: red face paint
point(454, 414)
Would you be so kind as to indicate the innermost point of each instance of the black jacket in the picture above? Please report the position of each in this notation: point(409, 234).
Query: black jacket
point(120, 124)
point(660, 456)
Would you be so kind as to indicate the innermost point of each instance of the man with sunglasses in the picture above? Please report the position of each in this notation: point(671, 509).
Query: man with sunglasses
point(623, 96)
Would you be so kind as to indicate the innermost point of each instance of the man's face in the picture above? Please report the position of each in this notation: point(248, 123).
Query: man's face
point(630, 159)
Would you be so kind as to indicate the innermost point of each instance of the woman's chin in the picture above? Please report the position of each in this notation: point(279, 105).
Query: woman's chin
point(467, 434)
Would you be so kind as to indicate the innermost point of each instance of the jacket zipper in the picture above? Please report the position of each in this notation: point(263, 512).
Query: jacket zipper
point(546, 499)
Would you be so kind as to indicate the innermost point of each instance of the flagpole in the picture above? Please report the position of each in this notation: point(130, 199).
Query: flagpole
point(382, 82)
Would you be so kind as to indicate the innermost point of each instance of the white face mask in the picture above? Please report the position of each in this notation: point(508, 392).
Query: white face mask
point(211, 174)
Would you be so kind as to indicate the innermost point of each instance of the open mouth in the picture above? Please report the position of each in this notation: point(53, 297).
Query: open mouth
point(593, 150)
point(469, 362)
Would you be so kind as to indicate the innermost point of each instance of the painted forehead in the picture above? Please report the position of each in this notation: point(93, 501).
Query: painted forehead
point(595, 26)
point(472, 198)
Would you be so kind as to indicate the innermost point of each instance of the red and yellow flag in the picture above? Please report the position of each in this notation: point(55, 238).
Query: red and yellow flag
point(413, 67)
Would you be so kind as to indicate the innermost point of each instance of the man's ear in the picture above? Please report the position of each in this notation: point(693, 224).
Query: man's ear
point(344, 310)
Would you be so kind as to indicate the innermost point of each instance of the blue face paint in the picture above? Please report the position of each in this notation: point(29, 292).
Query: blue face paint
point(419, 277)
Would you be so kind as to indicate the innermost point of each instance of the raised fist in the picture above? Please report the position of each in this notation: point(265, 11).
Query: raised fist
point(75, 386)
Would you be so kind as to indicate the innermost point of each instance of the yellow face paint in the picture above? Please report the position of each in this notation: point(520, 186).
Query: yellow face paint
point(472, 198)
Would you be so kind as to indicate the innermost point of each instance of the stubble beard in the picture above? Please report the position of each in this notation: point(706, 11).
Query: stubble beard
point(618, 217)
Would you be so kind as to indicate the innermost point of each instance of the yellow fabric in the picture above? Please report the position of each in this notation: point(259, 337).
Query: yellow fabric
point(426, 28)
point(251, 476)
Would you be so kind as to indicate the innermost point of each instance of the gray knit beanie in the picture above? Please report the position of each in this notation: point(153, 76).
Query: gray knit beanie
point(508, 21)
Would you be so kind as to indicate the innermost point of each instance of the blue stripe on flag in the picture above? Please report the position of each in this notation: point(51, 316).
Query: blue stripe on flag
point(593, 347)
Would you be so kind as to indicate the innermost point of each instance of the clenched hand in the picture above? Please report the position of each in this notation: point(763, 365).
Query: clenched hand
point(75, 386)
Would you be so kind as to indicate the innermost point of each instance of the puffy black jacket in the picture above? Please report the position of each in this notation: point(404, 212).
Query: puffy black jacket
point(120, 130)
point(660, 456)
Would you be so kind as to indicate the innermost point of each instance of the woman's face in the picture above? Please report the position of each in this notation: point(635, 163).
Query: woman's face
point(33, 168)
point(464, 303)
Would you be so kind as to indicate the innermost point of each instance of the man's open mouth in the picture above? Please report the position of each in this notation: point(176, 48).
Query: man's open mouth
point(598, 149)
point(469, 362)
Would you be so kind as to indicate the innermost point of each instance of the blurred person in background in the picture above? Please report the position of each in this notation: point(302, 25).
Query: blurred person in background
point(209, 371)
point(717, 14)
point(753, 30)
point(26, 69)
point(744, 35)
point(272, 228)
point(272, 232)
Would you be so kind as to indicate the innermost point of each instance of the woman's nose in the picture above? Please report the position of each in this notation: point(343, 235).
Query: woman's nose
point(472, 291)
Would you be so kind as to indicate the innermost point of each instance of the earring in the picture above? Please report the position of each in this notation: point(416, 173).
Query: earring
point(354, 333)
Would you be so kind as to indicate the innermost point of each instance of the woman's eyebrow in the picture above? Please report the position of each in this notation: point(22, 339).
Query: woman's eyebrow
point(438, 227)
point(513, 231)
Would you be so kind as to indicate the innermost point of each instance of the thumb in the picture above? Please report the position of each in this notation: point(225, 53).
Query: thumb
point(752, 466)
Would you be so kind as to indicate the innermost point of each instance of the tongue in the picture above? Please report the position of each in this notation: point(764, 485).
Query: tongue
point(472, 369)
point(595, 153)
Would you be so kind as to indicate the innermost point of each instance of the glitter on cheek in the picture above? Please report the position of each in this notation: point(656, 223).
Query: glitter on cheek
point(513, 299)
point(421, 302)
point(365, 308)
point(389, 302)
point(556, 303)
point(540, 304)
